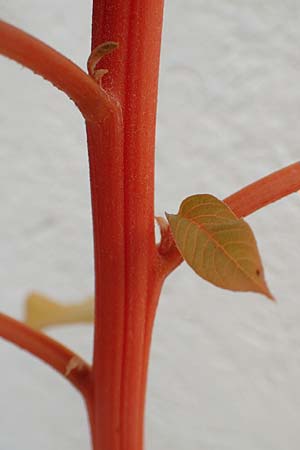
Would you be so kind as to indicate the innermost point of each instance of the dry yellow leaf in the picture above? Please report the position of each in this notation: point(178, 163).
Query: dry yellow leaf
point(219, 246)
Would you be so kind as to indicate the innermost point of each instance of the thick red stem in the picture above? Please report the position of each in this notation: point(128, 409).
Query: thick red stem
point(126, 282)
point(122, 171)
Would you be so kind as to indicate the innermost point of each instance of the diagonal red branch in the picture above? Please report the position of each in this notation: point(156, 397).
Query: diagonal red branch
point(94, 104)
point(60, 358)
point(267, 190)
point(255, 196)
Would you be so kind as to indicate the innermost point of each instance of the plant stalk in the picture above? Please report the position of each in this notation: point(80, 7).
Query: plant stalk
point(122, 185)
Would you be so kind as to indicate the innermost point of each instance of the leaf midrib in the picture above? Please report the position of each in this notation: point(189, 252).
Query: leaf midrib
point(202, 226)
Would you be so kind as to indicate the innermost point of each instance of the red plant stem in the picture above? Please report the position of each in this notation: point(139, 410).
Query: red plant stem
point(126, 288)
point(49, 351)
point(93, 102)
point(106, 173)
point(251, 198)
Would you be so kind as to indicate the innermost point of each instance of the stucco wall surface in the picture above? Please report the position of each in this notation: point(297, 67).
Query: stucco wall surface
point(225, 367)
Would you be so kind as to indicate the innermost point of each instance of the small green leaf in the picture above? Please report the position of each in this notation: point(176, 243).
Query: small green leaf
point(219, 246)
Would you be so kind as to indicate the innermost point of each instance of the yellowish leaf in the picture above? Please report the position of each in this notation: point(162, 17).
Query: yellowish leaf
point(41, 311)
point(219, 246)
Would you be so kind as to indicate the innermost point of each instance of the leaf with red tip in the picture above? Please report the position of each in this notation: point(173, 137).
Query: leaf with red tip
point(219, 246)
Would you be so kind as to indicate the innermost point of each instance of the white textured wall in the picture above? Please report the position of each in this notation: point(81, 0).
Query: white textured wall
point(225, 367)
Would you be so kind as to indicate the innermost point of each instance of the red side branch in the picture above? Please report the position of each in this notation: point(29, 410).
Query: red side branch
point(255, 196)
point(267, 190)
point(60, 358)
point(92, 101)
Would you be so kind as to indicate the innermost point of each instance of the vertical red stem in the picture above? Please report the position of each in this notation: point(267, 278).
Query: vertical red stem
point(106, 172)
point(122, 180)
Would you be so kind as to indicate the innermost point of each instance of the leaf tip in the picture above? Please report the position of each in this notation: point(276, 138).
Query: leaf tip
point(97, 54)
point(271, 297)
point(267, 293)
